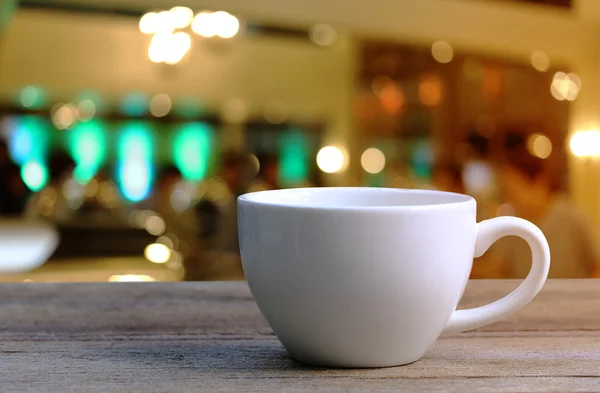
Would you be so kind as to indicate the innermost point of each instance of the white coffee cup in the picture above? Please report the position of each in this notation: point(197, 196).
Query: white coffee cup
point(370, 277)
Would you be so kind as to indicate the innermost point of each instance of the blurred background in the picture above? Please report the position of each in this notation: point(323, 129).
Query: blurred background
point(128, 128)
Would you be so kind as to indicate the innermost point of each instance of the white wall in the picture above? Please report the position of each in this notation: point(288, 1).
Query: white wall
point(64, 53)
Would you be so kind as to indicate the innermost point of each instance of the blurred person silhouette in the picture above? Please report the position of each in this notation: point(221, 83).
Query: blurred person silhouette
point(13, 191)
point(51, 201)
point(217, 213)
point(530, 190)
point(448, 177)
point(268, 174)
point(180, 221)
point(166, 180)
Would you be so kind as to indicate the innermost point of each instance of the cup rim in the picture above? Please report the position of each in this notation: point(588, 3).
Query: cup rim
point(264, 198)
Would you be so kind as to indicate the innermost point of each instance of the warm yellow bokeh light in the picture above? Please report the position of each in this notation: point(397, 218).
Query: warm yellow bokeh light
point(540, 61)
point(157, 253)
point(160, 105)
point(585, 143)
point(372, 160)
point(323, 35)
point(202, 24)
point(565, 86)
point(442, 52)
point(155, 225)
point(220, 23)
point(131, 278)
point(539, 145)
point(179, 45)
point(64, 116)
point(149, 23)
point(169, 48)
point(226, 24)
point(181, 16)
point(330, 159)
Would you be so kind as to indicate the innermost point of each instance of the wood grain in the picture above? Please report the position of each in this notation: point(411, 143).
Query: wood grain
point(184, 337)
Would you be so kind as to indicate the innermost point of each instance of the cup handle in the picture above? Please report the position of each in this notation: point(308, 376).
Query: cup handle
point(488, 232)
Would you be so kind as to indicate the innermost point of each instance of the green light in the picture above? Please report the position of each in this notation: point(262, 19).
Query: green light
point(7, 11)
point(422, 159)
point(189, 108)
point(35, 175)
point(377, 180)
point(191, 150)
point(135, 104)
point(134, 172)
point(294, 158)
point(87, 143)
point(28, 139)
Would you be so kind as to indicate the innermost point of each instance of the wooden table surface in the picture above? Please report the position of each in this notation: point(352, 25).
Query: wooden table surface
point(192, 337)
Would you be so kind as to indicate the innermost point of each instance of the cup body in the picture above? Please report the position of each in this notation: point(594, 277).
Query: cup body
point(357, 277)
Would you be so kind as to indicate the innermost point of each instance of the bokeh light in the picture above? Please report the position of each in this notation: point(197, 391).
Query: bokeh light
point(565, 86)
point(203, 25)
point(226, 24)
point(539, 145)
point(442, 52)
point(134, 104)
point(166, 240)
point(210, 24)
point(372, 160)
point(294, 160)
point(323, 34)
point(87, 144)
point(64, 116)
point(478, 177)
point(585, 143)
point(392, 98)
point(160, 105)
point(192, 146)
point(35, 175)
point(149, 23)
point(131, 278)
point(155, 225)
point(181, 17)
point(86, 110)
point(540, 61)
point(28, 139)
point(181, 197)
point(134, 173)
point(31, 97)
point(189, 107)
point(330, 159)
point(430, 90)
point(169, 48)
point(157, 253)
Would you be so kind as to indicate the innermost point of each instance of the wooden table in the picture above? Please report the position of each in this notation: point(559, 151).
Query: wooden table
point(192, 337)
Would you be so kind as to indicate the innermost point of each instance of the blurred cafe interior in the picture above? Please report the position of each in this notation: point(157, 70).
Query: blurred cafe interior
point(128, 128)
